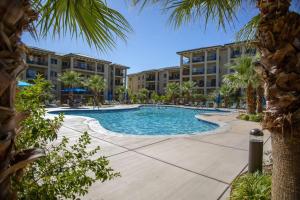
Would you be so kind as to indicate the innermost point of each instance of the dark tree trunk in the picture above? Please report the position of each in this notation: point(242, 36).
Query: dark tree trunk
point(278, 39)
point(250, 99)
point(259, 99)
point(15, 16)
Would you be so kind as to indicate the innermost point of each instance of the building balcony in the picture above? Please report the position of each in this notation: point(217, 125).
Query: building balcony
point(174, 77)
point(212, 57)
point(185, 72)
point(85, 67)
point(150, 79)
point(39, 62)
point(198, 59)
point(198, 71)
point(119, 74)
point(235, 54)
point(211, 70)
point(100, 69)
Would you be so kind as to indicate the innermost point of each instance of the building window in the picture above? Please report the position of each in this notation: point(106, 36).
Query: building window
point(165, 75)
point(54, 61)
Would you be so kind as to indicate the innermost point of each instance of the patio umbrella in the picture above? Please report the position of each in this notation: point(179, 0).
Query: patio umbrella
point(23, 84)
point(76, 90)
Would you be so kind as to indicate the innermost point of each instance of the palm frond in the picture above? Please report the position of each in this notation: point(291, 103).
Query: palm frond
point(91, 20)
point(248, 31)
point(186, 11)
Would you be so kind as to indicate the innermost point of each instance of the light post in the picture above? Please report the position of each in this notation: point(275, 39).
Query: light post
point(256, 144)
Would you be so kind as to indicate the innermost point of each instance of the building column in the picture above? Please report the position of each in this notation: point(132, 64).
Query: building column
point(72, 63)
point(125, 78)
point(180, 72)
point(243, 50)
point(205, 73)
point(229, 57)
point(156, 82)
point(114, 82)
point(218, 69)
point(96, 70)
point(106, 79)
point(49, 68)
point(191, 67)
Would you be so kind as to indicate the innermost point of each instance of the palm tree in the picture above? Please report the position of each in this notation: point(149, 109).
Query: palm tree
point(173, 91)
point(71, 79)
point(187, 89)
point(121, 91)
point(226, 91)
point(277, 38)
point(143, 95)
point(97, 85)
point(91, 20)
point(244, 77)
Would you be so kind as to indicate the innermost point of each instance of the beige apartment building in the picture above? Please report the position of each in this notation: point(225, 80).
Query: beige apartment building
point(50, 64)
point(154, 80)
point(205, 66)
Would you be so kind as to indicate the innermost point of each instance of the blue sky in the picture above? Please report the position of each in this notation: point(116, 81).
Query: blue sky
point(153, 43)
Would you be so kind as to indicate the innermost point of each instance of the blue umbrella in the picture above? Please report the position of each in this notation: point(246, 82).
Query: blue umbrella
point(23, 84)
point(74, 90)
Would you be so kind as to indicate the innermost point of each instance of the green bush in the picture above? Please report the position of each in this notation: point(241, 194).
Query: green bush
point(67, 171)
point(256, 118)
point(244, 117)
point(255, 186)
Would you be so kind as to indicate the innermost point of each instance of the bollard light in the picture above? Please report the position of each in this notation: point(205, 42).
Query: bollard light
point(256, 144)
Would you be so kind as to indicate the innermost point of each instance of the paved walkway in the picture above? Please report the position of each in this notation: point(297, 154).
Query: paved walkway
point(189, 167)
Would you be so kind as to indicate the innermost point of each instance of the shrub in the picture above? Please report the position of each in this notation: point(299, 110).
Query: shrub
point(67, 170)
point(244, 117)
point(256, 118)
point(255, 186)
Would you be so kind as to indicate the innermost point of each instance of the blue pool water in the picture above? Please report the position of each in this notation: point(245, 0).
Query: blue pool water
point(149, 120)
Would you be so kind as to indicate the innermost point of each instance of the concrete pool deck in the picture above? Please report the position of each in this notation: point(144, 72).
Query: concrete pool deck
point(187, 167)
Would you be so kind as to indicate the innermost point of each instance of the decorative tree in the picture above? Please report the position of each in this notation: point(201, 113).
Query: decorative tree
point(97, 84)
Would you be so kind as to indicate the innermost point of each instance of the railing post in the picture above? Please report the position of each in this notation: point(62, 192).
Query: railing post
point(256, 144)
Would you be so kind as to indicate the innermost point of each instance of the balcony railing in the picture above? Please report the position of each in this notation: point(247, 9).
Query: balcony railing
point(211, 70)
point(198, 59)
point(39, 62)
point(150, 79)
point(87, 67)
point(212, 57)
point(117, 73)
point(174, 77)
point(235, 53)
point(197, 71)
point(100, 69)
point(186, 72)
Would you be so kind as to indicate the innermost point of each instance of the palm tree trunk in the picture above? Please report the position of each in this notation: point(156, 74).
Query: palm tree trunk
point(250, 99)
point(278, 39)
point(15, 15)
point(286, 167)
point(259, 99)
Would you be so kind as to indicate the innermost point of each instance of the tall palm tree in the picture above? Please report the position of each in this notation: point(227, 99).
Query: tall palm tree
point(71, 79)
point(277, 36)
point(143, 95)
point(244, 77)
point(173, 91)
point(120, 92)
point(187, 89)
point(226, 91)
point(97, 85)
point(91, 20)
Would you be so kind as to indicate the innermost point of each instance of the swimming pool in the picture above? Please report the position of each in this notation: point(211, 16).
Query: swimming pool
point(149, 120)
